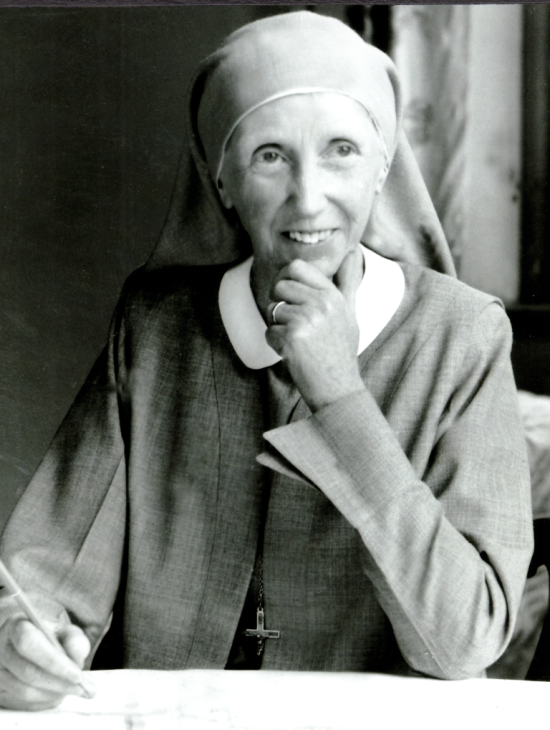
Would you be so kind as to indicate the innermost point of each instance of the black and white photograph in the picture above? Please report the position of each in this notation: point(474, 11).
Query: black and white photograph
point(274, 365)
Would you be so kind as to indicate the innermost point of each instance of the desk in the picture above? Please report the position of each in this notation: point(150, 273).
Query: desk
point(208, 700)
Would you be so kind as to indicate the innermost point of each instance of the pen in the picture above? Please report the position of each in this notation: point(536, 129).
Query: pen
point(28, 609)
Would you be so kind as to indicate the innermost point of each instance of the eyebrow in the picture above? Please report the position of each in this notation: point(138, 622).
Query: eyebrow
point(260, 147)
point(301, 91)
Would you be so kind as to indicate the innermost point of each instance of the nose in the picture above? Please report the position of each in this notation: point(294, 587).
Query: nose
point(308, 189)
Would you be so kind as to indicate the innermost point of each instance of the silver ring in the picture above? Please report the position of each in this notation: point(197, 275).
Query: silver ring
point(274, 313)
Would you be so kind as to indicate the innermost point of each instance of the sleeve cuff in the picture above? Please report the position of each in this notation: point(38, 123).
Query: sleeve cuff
point(348, 450)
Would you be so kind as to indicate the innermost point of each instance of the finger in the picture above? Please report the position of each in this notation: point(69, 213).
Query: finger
point(293, 292)
point(279, 313)
point(31, 644)
point(275, 337)
point(304, 272)
point(16, 695)
point(349, 276)
point(75, 643)
point(31, 675)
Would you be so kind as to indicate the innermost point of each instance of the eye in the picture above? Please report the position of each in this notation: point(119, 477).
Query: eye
point(267, 155)
point(343, 148)
point(268, 160)
point(270, 156)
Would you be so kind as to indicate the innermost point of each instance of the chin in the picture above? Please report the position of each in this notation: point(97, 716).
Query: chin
point(327, 268)
point(328, 265)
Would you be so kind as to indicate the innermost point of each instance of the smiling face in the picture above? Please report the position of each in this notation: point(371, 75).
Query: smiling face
point(302, 173)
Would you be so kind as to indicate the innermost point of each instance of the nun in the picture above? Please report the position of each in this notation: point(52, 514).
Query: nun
point(300, 448)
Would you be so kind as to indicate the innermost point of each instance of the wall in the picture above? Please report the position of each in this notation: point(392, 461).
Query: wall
point(90, 134)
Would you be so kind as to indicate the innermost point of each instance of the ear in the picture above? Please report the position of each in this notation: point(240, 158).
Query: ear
point(381, 180)
point(227, 202)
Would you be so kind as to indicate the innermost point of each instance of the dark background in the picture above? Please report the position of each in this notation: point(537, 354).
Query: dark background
point(91, 110)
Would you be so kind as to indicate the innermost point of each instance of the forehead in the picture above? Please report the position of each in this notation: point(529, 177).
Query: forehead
point(316, 116)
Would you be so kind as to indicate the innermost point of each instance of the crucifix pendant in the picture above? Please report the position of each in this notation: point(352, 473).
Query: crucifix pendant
point(260, 632)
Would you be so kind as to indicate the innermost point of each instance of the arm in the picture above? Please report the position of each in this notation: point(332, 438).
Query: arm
point(447, 549)
point(64, 544)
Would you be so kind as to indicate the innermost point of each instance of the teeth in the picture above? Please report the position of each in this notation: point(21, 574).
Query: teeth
point(309, 236)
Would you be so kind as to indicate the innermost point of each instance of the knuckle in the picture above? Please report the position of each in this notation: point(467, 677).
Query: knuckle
point(316, 317)
point(19, 632)
point(298, 334)
point(327, 303)
point(25, 639)
point(27, 645)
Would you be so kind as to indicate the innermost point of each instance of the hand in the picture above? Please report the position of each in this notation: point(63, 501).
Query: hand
point(34, 675)
point(316, 332)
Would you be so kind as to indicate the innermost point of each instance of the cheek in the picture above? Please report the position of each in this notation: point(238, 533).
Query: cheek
point(257, 205)
point(361, 193)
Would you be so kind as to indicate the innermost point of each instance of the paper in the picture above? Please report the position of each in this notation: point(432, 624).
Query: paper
point(204, 700)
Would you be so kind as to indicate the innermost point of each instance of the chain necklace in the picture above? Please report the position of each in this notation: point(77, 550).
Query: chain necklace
point(260, 632)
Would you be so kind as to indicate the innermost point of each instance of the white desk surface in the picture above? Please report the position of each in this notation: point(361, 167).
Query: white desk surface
point(204, 700)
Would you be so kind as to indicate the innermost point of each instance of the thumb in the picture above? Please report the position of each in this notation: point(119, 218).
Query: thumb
point(349, 275)
point(75, 643)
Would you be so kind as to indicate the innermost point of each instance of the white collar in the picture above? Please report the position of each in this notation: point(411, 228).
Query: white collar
point(378, 297)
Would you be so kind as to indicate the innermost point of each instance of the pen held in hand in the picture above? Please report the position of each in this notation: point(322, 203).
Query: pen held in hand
point(30, 612)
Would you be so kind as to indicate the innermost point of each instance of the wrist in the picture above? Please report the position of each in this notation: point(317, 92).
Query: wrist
point(319, 400)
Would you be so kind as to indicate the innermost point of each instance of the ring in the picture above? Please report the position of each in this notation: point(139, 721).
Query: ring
point(274, 313)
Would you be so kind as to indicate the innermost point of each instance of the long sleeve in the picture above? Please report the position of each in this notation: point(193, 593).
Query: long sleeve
point(447, 535)
point(146, 505)
point(64, 541)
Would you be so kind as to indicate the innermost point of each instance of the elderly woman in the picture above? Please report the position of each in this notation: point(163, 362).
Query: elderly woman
point(295, 452)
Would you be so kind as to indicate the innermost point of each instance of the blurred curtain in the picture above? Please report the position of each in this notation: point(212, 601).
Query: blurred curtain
point(461, 72)
point(430, 49)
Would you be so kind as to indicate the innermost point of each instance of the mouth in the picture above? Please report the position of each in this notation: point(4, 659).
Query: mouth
point(309, 236)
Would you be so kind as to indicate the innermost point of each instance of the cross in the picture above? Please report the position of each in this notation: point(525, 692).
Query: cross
point(260, 632)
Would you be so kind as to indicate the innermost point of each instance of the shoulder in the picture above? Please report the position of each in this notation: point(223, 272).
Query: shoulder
point(171, 303)
point(446, 303)
point(151, 288)
point(185, 292)
point(446, 294)
point(445, 318)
